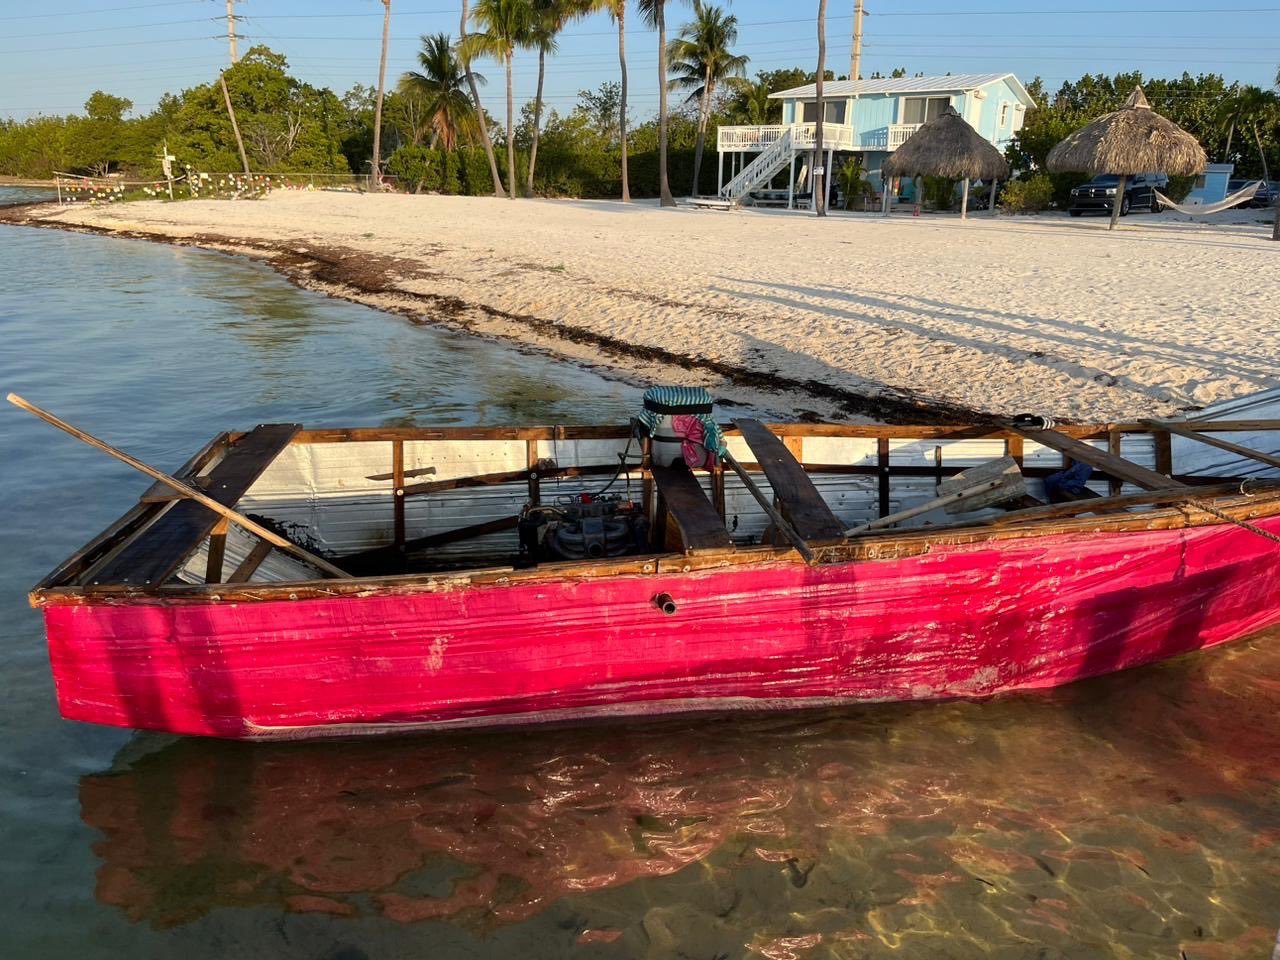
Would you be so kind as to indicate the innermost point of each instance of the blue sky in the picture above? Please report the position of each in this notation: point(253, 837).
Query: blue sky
point(50, 62)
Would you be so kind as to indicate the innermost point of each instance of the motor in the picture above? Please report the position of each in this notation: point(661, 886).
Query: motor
point(582, 527)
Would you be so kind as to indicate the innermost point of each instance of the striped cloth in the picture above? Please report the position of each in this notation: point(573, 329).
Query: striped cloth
point(683, 401)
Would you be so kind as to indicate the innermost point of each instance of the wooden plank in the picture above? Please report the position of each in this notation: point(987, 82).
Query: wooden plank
point(252, 562)
point(1108, 463)
point(1227, 445)
point(1164, 452)
point(152, 556)
point(883, 472)
point(508, 476)
point(217, 551)
point(162, 493)
point(800, 502)
point(700, 525)
point(1114, 487)
point(397, 482)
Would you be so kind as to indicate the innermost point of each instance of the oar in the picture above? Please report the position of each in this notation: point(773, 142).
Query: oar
point(981, 486)
point(203, 499)
point(957, 497)
point(784, 528)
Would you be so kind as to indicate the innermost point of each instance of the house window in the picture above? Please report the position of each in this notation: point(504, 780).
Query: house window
point(1004, 115)
point(834, 112)
point(923, 109)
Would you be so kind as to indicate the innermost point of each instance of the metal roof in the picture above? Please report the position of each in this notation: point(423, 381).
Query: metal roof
point(952, 83)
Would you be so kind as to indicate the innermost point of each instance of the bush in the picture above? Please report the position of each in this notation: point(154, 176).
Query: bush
point(939, 193)
point(1027, 196)
point(1178, 188)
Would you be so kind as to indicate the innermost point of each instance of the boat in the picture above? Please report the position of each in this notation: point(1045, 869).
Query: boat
point(289, 583)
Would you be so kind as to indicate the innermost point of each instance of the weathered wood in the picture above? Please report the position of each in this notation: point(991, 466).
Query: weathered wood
point(1164, 452)
point(799, 499)
point(1108, 463)
point(380, 557)
point(1114, 487)
point(252, 562)
point(162, 493)
point(696, 518)
point(509, 476)
point(780, 523)
point(883, 473)
point(535, 482)
point(397, 482)
point(217, 552)
point(1227, 445)
point(157, 552)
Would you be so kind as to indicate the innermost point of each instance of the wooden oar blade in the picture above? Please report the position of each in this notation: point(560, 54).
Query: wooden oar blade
point(1005, 471)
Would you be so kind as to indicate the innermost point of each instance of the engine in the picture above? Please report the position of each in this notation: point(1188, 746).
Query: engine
point(582, 527)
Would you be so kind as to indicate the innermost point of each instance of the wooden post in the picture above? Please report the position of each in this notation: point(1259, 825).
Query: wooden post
point(1164, 452)
point(819, 182)
point(1115, 487)
point(217, 551)
point(888, 184)
point(397, 482)
point(1119, 201)
point(57, 182)
point(882, 462)
point(535, 483)
point(994, 185)
point(791, 182)
point(235, 127)
point(964, 200)
point(720, 174)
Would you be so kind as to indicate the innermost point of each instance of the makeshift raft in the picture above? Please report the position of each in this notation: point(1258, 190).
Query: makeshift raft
point(511, 575)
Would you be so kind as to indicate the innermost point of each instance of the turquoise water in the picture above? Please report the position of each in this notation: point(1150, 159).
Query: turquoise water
point(1135, 816)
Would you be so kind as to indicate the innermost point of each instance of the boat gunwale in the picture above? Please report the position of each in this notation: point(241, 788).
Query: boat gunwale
point(886, 545)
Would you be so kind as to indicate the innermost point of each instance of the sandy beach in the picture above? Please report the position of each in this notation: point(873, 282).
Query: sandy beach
point(856, 316)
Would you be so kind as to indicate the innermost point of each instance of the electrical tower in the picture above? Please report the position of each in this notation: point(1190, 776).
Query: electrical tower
point(231, 32)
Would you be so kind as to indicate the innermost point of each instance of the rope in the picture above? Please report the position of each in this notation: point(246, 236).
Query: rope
point(1242, 524)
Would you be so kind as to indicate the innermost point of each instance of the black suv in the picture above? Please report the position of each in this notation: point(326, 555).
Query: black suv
point(1099, 194)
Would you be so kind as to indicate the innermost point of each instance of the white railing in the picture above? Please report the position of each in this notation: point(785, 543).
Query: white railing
point(835, 136)
point(899, 133)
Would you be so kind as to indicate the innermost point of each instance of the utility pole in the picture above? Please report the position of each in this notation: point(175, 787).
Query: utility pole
point(231, 31)
point(855, 62)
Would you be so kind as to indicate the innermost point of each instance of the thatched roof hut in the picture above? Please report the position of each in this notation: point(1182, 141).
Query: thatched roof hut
point(1134, 139)
point(948, 147)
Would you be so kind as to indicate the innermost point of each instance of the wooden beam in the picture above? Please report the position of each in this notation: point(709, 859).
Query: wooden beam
point(1114, 487)
point(397, 482)
point(217, 551)
point(793, 490)
point(700, 525)
point(1108, 463)
point(883, 472)
point(1227, 445)
point(252, 562)
point(163, 493)
point(508, 476)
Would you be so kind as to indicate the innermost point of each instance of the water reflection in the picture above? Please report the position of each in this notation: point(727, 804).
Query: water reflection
point(1135, 813)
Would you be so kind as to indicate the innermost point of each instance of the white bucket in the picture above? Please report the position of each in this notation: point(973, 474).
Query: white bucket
point(666, 448)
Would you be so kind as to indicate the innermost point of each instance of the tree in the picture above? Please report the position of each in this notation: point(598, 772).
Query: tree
point(617, 10)
point(655, 14)
point(474, 86)
point(506, 24)
point(819, 181)
point(700, 61)
point(382, 86)
point(441, 86)
point(549, 18)
point(100, 137)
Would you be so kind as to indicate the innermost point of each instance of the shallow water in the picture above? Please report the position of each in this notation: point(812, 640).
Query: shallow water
point(1133, 816)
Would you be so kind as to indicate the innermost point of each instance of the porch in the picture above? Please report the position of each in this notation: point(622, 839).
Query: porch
point(835, 136)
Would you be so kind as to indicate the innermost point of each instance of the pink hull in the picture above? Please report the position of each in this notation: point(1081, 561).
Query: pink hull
point(960, 621)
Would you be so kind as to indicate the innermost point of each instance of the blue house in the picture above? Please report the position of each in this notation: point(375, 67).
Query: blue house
point(865, 118)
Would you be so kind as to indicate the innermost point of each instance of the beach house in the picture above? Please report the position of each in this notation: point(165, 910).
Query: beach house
point(865, 118)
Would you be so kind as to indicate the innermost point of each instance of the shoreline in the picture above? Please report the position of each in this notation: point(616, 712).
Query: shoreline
point(332, 272)
point(776, 312)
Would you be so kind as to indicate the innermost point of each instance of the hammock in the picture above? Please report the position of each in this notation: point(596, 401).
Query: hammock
point(1244, 193)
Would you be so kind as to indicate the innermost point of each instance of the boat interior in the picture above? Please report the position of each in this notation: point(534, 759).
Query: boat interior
point(414, 502)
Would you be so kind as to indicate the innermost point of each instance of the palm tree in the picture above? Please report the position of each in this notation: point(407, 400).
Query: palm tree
point(474, 86)
point(506, 24)
point(655, 14)
point(758, 109)
point(441, 86)
point(617, 10)
point(549, 18)
point(701, 60)
point(819, 180)
point(382, 86)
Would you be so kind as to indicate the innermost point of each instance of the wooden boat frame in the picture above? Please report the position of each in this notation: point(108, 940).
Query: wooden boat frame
point(1169, 502)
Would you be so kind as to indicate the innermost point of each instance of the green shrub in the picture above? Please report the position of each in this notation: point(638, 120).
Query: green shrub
point(1027, 196)
point(1178, 188)
point(939, 193)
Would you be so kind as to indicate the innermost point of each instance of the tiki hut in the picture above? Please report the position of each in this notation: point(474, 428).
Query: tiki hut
point(1132, 140)
point(948, 147)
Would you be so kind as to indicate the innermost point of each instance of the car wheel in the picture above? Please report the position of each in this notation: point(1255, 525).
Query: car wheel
point(1156, 205)
point(1124, 206)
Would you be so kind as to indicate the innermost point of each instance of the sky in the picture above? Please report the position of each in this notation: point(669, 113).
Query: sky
point(51, 62)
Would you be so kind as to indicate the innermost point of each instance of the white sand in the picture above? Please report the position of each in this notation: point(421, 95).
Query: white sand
point(1043, 314)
